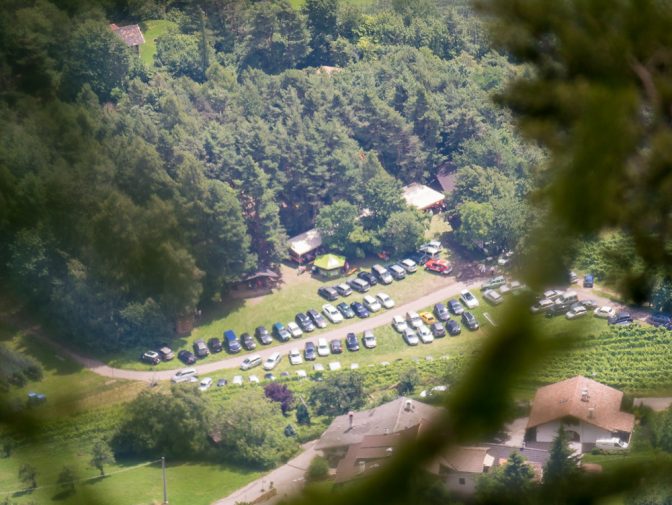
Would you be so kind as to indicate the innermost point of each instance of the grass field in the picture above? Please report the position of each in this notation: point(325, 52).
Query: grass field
point(152, 30)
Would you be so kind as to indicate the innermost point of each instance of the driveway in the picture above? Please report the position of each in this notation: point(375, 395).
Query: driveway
point(287, 480)
point(338, 331)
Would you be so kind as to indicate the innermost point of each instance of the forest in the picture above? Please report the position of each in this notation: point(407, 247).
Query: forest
point(132, 194)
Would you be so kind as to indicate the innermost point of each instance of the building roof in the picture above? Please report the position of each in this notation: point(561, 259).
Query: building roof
point(305, 242)
point(387, 418)
point(422, 197)
point(130, 34)
point(326, 69)
point(463, 460)
point(447, 180)
point(583, 399)
point(268, 274)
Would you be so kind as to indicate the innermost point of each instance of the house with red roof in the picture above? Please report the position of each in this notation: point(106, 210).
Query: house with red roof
point(130, 34)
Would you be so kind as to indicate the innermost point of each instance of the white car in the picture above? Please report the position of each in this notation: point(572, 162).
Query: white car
point(332, 313)
point(576, 312)
point(205, 384)
point(385, 300)
point(322, 347)
point(493, 297)
point(414, 320)
point(372, 304)
point(552, 294)
point(468, 298)
point(237, 380)
point(272, 361)
point(410, 337)
point(409, 265)
point(250, 362)
point(369, 340)
point(399, 324)
point(542, 305)
point(184, 375)
point(295, 357)
point(294, 330)
point(254, 379)
point(605, 312)
point(425, 335)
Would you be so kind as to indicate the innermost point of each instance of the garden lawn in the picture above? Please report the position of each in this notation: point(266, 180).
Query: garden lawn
point(152, 30)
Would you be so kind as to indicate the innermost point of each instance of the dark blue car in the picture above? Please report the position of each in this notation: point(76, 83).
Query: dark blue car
point(588, 280)
point(359, 309)
point(309, 352)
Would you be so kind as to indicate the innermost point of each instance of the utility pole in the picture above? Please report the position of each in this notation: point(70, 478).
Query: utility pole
point(165, 489)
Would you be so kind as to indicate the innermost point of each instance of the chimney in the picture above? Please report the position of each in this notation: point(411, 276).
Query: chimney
point(591, 412)
point(584, 395)
point(409, 406)
point(351, 417)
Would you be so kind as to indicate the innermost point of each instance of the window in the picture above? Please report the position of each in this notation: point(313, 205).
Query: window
point(462, 481)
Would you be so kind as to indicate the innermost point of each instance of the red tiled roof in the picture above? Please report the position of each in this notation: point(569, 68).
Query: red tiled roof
point(130, 34)
point(600, 406)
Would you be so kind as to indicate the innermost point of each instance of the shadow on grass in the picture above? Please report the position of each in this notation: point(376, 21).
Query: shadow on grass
point(64, 494)
point(95, 480)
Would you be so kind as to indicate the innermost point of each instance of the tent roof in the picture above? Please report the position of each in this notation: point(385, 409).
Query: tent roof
point(421, 196)
point(329, 262)
point(305, 242)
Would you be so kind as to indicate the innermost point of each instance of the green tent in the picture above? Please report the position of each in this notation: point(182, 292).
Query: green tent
point(329, 264)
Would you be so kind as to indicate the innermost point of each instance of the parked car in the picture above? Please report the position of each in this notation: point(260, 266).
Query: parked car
point(262, 334)
point(541, 306)
point(343, 289)
point(359, 309)
point(469, 300)
point(309, 351)
point(441, 312)
point(294, 330)
point(368, 277)
point(605, 312)
point(414, 320)
point(269, 376)
point(611, 444)
point(410, 337)
point(359, 285)
point(517, 287)
point(420, 258)
point(222, 382)
point(200, 349)
point(425, 335)
point(588, 280)
point(382, 274)
point(621, 319)
point(332, 313)
point(590, 304)
point(659, 319)
point(369, 339)
point(493, 283)
point(280, 332)
point(573, 278)
point(186, 374)
point(346, 310)
point(322, 347)
point(166, 353)
point(295, 357)
point(186, 357)
point(351, 342)
point(504, 289)
point(427, 317)
point(254, 379)
point(576, 312)
point(328, 293)
point(250, 362)
point(231, 342)
point(372, 304)
point(151, 357)
point(304, 322)
point(453, 328)
point(215, 345)
point(385, 300)
point(568, 297)
point(205, 384)
point(272, 361)
point(469, 320)
point(455, 307)
point(237, 380)
point(552, 294)
point(409, 265)
point(438, 329)
point(493, 297)
point(397, 272)
point(336, 346)
point(316, 318)
point(558, 308)
point(439, 266)
point(399, 324)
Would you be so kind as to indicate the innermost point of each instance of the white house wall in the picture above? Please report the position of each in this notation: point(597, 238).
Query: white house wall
point(588, 433)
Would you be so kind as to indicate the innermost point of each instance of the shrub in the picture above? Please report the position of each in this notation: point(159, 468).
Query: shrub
point(317, 470)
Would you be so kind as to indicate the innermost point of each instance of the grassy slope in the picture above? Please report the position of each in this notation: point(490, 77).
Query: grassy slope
point(152, 30)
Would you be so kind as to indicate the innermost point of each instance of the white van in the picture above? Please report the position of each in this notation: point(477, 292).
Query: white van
point(250, 362)
point(185, 375)
point(611, 444)
point(568, 297)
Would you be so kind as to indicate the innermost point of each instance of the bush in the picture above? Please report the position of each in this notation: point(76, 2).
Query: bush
point(317, 470)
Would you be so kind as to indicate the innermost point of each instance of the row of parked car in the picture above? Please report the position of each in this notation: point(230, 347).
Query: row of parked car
point(554, 302)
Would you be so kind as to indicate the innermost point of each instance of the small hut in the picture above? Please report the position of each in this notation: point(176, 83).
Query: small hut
point(329, 265)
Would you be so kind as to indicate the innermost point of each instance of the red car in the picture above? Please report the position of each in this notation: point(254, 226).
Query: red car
point(440, 266)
